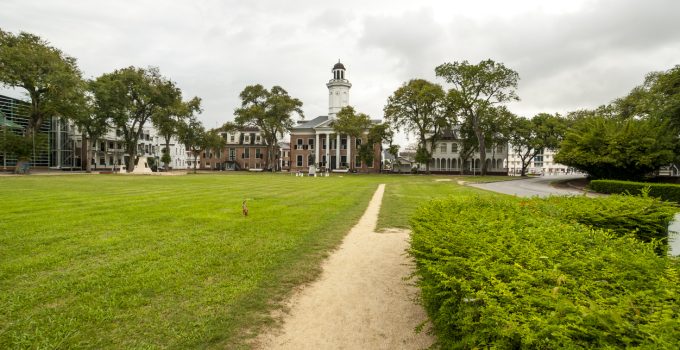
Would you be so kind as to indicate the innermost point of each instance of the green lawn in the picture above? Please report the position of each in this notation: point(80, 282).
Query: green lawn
point(112, 261)
point(403, 197)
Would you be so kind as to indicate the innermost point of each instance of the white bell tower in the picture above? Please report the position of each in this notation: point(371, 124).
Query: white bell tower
point(338, 90)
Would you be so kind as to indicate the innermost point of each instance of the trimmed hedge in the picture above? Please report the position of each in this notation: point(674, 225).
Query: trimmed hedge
point(645, 217)
point(667, 192)
point(499, 273)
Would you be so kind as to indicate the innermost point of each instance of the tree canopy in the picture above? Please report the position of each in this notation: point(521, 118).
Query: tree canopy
point(419, 107)
point(615, 148)
point(269, 110)
point(167, 120)
point(477, 90)
point(529, 137)
point(50, 78)
point(192, 134)
point(129, 98)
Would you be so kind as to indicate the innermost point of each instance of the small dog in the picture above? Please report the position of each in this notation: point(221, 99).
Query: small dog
point(245, 208)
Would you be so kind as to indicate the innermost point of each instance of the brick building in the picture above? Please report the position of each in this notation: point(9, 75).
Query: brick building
point(245, 150)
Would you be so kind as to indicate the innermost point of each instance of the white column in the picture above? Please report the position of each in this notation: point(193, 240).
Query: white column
point(316, 149)
point(328, 150)
point(349, 152)
point(337, 152)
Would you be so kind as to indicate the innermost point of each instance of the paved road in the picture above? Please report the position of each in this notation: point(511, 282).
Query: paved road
point(537, 186)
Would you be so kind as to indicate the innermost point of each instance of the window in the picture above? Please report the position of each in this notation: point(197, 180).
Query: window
point(370, 165)
point(246, 139)
point(298, 144)
point(442, 148)
point(454, 147)
point(538, 160)
point(111, 145)
point(258, 154)
point(257, 139)
point(323, 144)
point(343, 161)
point(499, 149)
point(232, 153)
point(102, 146)
point(343, 143)
point(232, 138)
point(299, 160)
point(310, 142)
point(357, 162)
point(246, 153)
point(310, 159)
point(110, 159)
point(358, 142)
point(102, 161)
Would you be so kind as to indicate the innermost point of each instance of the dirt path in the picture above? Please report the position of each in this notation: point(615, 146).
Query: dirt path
point(361, 300)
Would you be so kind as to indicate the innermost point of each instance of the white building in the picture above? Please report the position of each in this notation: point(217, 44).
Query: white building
point(446, 157)
point(542, 164)
point(108, 152)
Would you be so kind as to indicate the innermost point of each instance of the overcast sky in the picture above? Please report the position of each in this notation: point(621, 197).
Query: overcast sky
point(569, 54)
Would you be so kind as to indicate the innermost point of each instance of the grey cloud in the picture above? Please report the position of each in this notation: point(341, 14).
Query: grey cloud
point(214, 48)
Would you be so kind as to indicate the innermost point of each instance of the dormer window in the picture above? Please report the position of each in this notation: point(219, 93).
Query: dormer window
point(246, 139)
point(257, 139)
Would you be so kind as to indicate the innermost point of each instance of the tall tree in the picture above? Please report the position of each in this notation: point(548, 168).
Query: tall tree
point(129, 97)
point(168, 119)
point(193, 135)
point(353, 125)
point(615, 148)
point(269, 110)
point(476, 88)
point(468, 145)
point(528, 138)
point(419, 107)
point(92, 126)
point(50, 78)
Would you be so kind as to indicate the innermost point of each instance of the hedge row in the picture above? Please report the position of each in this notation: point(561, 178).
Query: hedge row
point(498, 273)
point(667, 192)
point(645, 217)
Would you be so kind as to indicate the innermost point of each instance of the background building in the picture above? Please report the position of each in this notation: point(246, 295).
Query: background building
point(446, 157)
point(245, 150)
point(542, 164)
point(314, 142)
point(64, 148)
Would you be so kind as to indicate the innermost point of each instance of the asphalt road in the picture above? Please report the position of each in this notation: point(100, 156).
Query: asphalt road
point(537, 186)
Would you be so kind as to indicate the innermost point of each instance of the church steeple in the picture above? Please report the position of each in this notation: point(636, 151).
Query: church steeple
point(338, 90)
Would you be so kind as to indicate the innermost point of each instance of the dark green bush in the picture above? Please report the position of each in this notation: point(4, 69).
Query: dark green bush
point(499, 273)
point(667, 192)
point(645, 217)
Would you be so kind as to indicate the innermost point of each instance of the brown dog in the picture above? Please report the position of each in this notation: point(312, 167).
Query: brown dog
point(245, 208)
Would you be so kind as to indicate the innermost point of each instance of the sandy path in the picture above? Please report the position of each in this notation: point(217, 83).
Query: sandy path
point(361, 300)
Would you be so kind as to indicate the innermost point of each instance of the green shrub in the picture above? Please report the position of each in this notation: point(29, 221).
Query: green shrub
point(499, 273)
point(667, 192)
point(645, 217)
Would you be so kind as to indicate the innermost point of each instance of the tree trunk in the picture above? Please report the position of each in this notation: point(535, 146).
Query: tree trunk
point(166, 166)
point(131, 149)
point(482, 150)
point(195, 157)
point(86, 145)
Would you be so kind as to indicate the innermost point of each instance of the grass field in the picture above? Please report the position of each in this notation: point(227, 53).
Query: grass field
point(112, 261)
